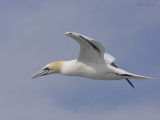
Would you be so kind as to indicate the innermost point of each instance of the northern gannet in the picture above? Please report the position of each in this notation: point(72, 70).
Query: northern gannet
point(92, 63)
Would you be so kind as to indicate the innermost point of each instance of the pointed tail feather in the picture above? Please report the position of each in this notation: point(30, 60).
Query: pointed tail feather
point(139, 76)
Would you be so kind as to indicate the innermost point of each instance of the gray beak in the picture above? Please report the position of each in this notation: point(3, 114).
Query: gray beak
point(40, 73)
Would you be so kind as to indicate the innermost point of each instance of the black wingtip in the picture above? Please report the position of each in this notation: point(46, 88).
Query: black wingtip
point(114, 65)
point(130, 83)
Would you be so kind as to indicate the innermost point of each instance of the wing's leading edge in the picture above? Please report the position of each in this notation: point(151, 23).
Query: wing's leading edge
point(91, 51)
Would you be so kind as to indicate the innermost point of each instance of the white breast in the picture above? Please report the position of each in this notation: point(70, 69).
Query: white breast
point(74, 68)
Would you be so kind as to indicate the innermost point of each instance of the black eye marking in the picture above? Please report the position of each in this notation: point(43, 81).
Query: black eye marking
point(70, 33)
point(46, 68)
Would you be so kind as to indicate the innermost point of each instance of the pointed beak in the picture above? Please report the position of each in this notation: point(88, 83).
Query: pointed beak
point(40, 73)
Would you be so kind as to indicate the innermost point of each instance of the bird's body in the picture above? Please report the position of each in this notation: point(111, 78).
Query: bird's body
point(89, 70)
point(92, 63)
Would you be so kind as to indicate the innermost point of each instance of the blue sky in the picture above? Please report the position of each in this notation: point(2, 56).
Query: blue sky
point(32, 34)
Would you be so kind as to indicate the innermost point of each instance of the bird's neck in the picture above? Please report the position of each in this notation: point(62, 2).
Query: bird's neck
point(68, 67)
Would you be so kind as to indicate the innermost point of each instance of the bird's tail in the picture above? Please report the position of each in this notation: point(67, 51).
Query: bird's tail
point(126, 74)
point(130, 75)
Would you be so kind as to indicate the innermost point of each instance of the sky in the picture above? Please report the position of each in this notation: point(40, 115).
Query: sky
point(32, 35)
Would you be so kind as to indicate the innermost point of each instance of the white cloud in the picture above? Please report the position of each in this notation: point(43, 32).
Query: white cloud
point(42, 108)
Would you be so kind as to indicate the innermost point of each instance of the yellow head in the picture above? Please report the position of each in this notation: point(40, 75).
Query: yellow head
point(51, 68)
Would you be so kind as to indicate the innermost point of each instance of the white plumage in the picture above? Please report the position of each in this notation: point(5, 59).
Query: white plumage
point(92, 63)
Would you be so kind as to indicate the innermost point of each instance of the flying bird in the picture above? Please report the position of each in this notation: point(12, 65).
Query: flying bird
point(92, 63)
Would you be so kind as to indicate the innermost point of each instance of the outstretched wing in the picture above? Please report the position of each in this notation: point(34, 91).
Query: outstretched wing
point(91, 51)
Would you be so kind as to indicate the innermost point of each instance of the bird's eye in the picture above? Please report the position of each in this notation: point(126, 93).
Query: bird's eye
point(46, 68)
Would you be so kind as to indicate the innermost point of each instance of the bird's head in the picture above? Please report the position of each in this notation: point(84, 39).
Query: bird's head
point(77, 36)
point(51, 68)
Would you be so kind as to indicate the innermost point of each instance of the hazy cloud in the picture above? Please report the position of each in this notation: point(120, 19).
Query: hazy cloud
point(32, 35)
